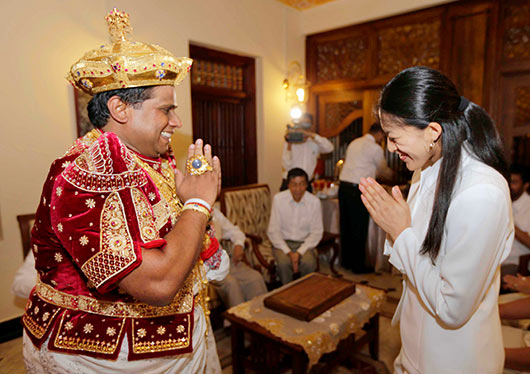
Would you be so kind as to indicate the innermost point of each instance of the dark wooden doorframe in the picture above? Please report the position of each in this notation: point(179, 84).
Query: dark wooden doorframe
point(224, 112)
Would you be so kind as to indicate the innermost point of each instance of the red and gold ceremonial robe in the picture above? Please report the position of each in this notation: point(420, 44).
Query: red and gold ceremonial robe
point(100, 205)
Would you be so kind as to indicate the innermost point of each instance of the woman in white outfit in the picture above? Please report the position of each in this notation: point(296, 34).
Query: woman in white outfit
point(451, 235)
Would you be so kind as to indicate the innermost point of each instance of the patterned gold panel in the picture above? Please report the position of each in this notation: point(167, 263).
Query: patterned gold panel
point(342, 59)
point(304, 4)
point(409, 45)
point(522, 106)
point(516, 38)
point(214, 74)
point(336, 112)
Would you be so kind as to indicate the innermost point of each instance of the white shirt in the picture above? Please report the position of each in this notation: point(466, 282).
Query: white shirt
point(364, 158)
point(304, 155)
point(449, 313)
point(521, 217)
point(291, 220)
point(226, 230)
point(25, 277)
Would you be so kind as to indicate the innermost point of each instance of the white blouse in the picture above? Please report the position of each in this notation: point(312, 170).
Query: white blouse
point(448, 310)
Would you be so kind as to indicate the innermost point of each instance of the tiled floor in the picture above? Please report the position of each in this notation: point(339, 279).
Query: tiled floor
point(11, 352)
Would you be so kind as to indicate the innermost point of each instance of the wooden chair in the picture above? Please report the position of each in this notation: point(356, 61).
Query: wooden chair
point(249, 208)
point(25, 223)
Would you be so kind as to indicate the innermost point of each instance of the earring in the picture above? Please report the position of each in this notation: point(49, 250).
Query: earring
point(431, 146)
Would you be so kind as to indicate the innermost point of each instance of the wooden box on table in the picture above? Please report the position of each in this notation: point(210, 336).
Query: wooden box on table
point(310, 297)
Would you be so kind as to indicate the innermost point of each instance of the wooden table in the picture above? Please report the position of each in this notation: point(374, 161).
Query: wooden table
point(268, 353)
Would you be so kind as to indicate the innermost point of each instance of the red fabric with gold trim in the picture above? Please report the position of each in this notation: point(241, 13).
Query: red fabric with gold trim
point(97, 210)
point(89, 334)
point(159, 337)
point(38, 318)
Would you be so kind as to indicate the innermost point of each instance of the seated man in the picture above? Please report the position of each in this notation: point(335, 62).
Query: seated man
point(242, 283)
point(519, 183)
point(295, 227)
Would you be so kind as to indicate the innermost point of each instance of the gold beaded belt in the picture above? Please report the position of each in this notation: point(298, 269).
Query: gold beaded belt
point(182, 303)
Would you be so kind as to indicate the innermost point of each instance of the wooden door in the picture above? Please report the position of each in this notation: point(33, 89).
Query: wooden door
point(224, 111)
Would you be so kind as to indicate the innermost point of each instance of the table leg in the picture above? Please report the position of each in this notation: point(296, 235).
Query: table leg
point(374, 341)
point(300, 363)
point(238, 346)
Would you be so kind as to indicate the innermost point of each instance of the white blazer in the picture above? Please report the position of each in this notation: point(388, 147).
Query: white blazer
point(449, 318)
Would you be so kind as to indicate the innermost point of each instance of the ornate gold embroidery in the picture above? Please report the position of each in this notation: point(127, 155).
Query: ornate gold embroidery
point(165, 183)
point(79, 176)
point(160, 345)
point(116, 246)
point(182, 303)
point(90, 203)
point(84, 344)
point(38, 329)
point(162, 213)
point(144, 215)
point(88, 328)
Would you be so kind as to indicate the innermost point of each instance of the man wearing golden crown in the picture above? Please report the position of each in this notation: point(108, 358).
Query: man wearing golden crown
point(122, 242)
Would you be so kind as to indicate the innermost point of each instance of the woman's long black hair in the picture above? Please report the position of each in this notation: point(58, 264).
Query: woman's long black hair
point(420, 95)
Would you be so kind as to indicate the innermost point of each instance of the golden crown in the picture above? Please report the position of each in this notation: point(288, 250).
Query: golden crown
point(126, 63)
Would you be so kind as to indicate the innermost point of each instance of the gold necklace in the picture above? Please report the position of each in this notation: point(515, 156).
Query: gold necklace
point(165, 183)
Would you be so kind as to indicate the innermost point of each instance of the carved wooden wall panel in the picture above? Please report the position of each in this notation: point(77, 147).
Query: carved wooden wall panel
point(342, 59)
point(482, 45)
point(336, 112)
point(470, 49)
point(515, 113)
point(522, 107)
point(403, 46)
point(516, 37)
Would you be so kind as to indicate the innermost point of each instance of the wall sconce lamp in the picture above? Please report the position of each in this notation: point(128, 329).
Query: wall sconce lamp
point(294, 84)
point(296, 89)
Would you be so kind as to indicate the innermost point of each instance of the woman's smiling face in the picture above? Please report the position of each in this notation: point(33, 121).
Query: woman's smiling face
point(409, 142)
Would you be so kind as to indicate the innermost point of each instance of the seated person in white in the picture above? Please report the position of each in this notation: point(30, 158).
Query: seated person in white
point(519, 183)
point(242, 283)
point(25, 277)
point(295, 227)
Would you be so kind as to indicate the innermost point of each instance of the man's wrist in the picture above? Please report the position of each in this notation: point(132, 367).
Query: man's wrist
point(198, 201)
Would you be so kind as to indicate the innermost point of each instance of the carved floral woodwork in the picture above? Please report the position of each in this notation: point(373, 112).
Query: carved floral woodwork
point(337, 112)
point(516, 38)
point(403, 46)
point(522, 107)
point(342, 59)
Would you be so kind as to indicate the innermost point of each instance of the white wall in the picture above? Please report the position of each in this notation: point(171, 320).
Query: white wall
point(41, 39)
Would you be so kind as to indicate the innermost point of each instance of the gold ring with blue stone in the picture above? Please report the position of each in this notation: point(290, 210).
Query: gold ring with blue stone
point(198, 165)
